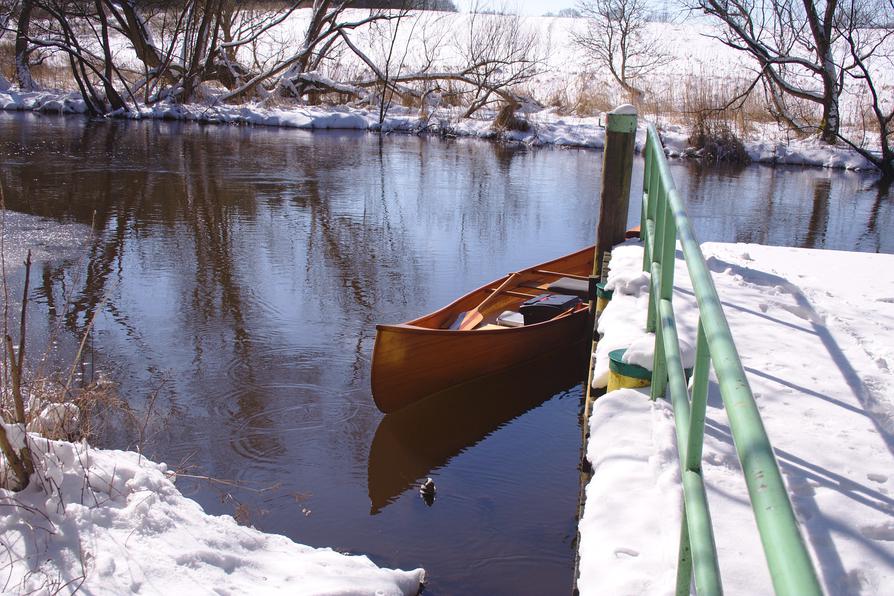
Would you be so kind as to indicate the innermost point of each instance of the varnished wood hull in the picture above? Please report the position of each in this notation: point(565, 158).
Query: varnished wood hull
point(420, 358)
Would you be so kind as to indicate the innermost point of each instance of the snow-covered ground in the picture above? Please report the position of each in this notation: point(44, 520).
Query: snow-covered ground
point(700, 62)
point(813, 329)
point(112, 522)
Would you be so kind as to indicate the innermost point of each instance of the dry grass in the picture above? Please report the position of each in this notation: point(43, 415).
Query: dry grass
point(582, 98)
point(507, 119)
point(44, 70)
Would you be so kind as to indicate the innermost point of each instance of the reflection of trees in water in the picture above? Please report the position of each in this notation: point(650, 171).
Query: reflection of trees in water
point(872, 233)
point(818, 224)
point(177, 191)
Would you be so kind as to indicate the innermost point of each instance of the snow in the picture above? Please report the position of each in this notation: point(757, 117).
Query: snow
point(113, 522)
point(813, 329)
point(698, 60)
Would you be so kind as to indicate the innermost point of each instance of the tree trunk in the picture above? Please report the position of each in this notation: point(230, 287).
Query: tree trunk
point(831, 120)
point(136, 30)
point(23, 70)
point(112, 95)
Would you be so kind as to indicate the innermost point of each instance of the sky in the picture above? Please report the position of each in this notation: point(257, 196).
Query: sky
point(525, 7)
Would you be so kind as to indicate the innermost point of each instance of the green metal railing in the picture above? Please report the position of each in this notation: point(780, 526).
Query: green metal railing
point(664, 221)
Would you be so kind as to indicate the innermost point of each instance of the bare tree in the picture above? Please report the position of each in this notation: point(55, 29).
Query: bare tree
point(794, 43)
point(499, 54)
point(617, 38)
point(870, 54)
point(180, 46)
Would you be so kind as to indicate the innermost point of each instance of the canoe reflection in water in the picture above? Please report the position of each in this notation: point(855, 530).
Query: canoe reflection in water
point(415, 440)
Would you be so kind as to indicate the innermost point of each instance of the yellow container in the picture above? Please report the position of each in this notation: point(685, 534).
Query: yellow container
point(626, 376)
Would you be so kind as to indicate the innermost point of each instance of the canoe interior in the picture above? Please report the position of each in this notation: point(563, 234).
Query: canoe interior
point(529, 281)
point(423, 356)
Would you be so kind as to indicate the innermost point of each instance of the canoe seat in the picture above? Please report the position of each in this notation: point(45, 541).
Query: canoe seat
point(571, 287)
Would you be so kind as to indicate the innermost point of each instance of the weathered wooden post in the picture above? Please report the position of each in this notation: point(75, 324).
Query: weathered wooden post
point(617, 169)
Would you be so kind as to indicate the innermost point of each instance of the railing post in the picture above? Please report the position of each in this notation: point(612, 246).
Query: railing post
point(660, 214)
point(644, 212)
point(693, 461)
point(617, 170)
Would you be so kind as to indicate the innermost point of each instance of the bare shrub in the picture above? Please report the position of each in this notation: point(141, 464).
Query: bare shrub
point(713, 138)
point(580, 97)
point(715, 120)
point(507, 119)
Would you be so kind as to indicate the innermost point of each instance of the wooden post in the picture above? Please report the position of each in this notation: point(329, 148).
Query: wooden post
point(617, 169)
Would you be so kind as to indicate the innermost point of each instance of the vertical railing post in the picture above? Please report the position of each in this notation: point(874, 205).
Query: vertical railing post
point(699, 402)
point(617, 170)
point(668, 249)
point(657, 250)
point(644, 212)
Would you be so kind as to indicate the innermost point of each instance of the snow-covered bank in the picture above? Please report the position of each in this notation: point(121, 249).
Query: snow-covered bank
point(813, 329)
point(112, 522)
point(547, 127)
point(565, 80)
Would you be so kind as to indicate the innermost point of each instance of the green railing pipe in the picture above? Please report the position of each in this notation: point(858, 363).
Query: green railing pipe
point(789, 563)
point(697, 514)
point(699, 402)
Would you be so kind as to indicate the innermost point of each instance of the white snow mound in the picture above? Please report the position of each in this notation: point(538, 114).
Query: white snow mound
point(112, 522)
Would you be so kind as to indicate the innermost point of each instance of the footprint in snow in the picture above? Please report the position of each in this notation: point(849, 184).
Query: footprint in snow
point(880, 478)
point(625, 553)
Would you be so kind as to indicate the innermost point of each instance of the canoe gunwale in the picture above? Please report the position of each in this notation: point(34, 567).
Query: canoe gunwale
point(410, 328)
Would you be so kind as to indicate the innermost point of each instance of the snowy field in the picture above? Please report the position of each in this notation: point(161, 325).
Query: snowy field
point(699, 62)
point(813, 329)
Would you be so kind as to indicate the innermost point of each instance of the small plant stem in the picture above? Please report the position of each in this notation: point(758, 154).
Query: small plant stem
point(15, 462)
point(24, 313)
point(16, 377)
point(17, 361)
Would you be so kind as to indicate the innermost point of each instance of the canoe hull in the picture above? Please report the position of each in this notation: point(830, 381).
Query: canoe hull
point(419, 358)
point(411, 363)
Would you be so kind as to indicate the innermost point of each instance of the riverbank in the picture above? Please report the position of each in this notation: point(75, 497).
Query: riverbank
point(113, 522)
point(546, 127)
point(813, 330)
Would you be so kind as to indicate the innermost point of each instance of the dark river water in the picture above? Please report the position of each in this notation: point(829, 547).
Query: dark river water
point(235, 274)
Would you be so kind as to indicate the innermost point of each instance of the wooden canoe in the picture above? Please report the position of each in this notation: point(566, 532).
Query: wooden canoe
point(424, 356)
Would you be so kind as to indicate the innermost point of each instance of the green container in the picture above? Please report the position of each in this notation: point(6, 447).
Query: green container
point(623, 374)
point(617, 365)
point(602, 296)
